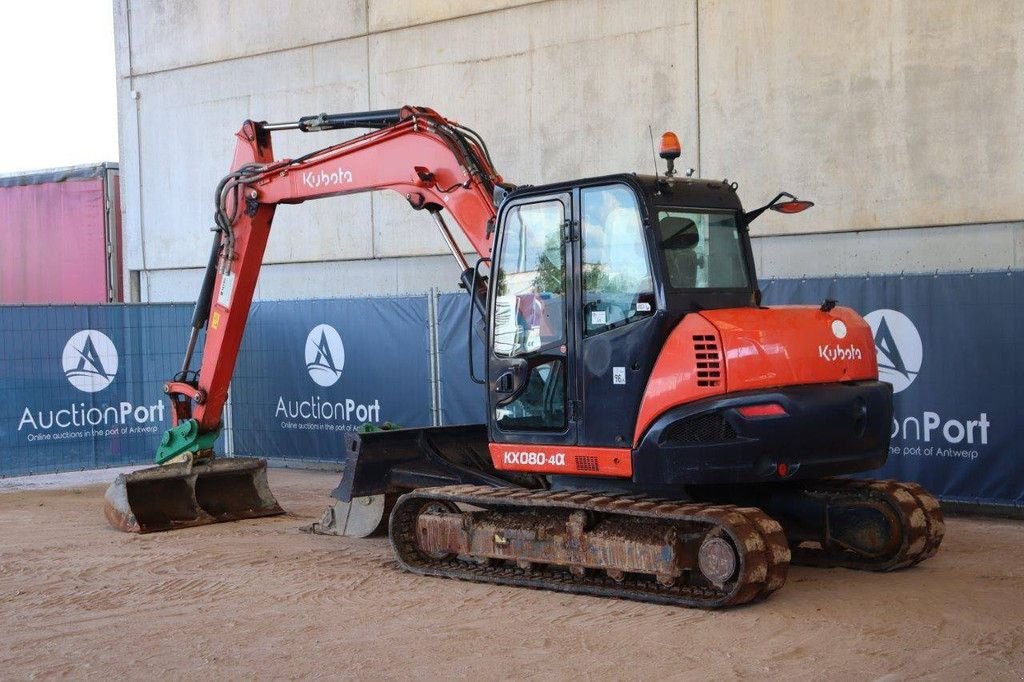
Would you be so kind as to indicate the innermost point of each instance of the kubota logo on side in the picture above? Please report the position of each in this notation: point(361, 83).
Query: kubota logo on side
point(899, 347)
point(836, 353)
point(325, 355)
point(90, 360)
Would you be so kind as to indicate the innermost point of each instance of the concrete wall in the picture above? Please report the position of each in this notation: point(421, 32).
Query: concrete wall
point(897, 118)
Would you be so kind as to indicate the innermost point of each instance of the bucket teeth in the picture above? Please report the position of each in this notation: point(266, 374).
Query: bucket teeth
point(183, 495)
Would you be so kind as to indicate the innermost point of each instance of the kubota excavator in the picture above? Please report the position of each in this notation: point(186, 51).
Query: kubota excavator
point(654, 432)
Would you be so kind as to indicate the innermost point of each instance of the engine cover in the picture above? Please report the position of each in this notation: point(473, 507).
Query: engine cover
point(734, 350)
point(793, 345)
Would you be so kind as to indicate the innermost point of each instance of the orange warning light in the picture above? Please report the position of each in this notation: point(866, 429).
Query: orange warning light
point(670, 147)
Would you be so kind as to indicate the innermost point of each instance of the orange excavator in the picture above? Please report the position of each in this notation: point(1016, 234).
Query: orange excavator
point(653, 432)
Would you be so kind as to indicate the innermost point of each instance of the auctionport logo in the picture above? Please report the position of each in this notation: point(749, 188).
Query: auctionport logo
point(325, 358)
point(325, 355)
point(899, 347)
point(90, 364)
point(90, 360)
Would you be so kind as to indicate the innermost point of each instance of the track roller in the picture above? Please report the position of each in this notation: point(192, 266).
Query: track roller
point(611, 545)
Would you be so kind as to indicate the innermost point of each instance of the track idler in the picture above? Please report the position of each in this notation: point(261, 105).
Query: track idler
point(182, 495)
point(592, 543)
point(875, 525)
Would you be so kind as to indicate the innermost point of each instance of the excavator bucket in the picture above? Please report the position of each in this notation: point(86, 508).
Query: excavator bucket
point(182, 495)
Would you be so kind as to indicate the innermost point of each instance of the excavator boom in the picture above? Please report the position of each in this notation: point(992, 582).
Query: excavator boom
point(452, 172)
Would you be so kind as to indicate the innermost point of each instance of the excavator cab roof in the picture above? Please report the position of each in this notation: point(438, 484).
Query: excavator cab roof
point(672, 191)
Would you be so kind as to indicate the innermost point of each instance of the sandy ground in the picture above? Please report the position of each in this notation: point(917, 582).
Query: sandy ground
point(259, 599)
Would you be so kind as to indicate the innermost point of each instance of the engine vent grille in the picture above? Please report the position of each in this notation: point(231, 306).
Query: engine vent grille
point(709, 362)
point(703, 428)
point(586, 463)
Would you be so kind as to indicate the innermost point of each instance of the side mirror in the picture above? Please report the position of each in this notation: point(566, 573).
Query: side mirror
point(792, 205)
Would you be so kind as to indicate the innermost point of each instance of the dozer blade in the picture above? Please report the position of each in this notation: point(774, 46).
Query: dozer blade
point(182, 495)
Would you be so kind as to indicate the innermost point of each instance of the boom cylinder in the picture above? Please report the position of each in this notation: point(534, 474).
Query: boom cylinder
point(201, 313)
point(446, 234)
point(381, 118)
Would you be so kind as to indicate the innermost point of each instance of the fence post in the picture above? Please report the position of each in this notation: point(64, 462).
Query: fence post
point(434, 358)
point(229, 427)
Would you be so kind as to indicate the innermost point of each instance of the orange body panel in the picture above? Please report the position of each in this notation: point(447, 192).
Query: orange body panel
point(793, 345)
point(570, 460)
point(757, 348)
point(693, 347)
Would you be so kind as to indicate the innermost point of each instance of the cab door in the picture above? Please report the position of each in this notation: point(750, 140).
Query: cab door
point(531, 385)
point(620, 332)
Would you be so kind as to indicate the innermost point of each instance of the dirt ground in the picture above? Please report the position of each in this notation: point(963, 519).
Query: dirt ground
point(259, 599)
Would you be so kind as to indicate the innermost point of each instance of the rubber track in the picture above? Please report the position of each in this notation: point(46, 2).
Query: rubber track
point(762, 569)
point(919, 512)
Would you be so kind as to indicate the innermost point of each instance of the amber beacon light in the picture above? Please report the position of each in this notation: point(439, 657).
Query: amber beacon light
point(670, 150)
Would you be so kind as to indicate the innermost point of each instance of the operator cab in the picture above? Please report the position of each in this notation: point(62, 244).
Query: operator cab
point(589, 278)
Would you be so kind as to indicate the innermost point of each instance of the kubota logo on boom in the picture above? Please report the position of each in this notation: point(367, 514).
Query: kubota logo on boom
point(899, 347)
point(325, 355)
point(314, 180)
point(90, 360)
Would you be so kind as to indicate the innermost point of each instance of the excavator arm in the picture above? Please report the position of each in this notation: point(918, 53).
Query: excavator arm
point(436, 164)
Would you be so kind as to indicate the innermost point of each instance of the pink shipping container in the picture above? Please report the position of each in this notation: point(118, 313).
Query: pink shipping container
point(60, 236)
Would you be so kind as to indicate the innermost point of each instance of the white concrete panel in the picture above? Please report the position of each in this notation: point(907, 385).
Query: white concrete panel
point(1018, 246)
point(284, 281)
point(943, 249)
point(414, 275)
point(401, 231)
point(121, 42)
point(385, 15)
point(189, 118)
point(912, 250)
point(887, 113)
point(169, 34)
point(559, 90)
point(326, 229)
point(757, 248)
point(128, 135)
point(172, 286)
point(186, 147)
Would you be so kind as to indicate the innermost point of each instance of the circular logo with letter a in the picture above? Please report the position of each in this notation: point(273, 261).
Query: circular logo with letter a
point(899, 347)
point(325, 355)
point(90, 360)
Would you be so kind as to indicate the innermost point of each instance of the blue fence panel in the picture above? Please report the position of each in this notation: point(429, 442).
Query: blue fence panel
point(81, 385)
point(309, 371)
point(946, 344)
point(462, 400)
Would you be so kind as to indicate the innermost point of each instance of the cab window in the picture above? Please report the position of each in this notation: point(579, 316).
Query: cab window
point(617, 283)
point(702, 250)
point(530, 313)
point(529, 310)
